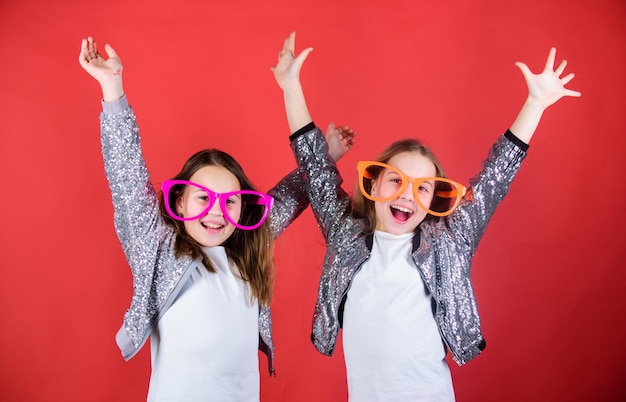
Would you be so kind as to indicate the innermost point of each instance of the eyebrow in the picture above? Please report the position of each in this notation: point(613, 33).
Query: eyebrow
point(387, 171)
point(195, 189)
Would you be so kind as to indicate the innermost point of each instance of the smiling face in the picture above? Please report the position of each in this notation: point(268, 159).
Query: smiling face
point(211, 229)
point(402, 214)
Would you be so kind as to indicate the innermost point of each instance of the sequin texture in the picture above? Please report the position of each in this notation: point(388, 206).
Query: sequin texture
point(148, 242)
point(442, 248)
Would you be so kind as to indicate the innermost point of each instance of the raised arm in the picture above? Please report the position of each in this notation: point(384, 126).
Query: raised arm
point(313, 152)
point(287, 75)
point(503, 162)
point(290, 194)
point(135, 205)
point(544, 89)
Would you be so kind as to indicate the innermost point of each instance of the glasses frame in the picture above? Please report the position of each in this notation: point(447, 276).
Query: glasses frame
point(457, 194)
point(265, 199)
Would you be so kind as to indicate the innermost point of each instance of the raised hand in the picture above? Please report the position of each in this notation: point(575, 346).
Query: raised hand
point(288, 67)
point(287, 75)
point(340, 140)
point(548, 87)
point(108, 72)
point(544, 89)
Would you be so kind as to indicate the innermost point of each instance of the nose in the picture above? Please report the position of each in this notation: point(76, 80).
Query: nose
point(407, 194)
point(216, 209)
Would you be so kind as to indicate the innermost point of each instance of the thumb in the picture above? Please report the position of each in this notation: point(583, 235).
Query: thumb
point(523, 68)
point(110, 51)
point(302, 57)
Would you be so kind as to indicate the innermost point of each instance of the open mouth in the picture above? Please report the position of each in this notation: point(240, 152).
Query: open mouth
point(211, 225)
point(401, 214)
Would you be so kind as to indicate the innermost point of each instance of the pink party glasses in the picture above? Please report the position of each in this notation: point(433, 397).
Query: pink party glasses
point(255, 205)
point(446, 193)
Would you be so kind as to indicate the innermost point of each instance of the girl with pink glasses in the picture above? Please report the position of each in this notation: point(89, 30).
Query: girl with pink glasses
point(201, 258)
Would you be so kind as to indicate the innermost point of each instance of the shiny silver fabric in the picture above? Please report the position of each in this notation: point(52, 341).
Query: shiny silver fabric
point(148, 242)
point(442, 248)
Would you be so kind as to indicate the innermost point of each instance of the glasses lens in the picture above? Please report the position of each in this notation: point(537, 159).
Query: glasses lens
point(199, 201)
point(447, 196)
point(381, 182)
point(254, 208)
point(369, 172)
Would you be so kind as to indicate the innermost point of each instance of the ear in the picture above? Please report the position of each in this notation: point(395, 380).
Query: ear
point(179, 205)
point(374, 190)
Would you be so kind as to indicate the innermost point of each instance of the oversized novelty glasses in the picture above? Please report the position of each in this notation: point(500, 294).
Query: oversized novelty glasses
point(256, 205)
point(444, 193)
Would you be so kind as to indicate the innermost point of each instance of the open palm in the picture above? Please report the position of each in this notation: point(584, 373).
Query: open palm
point(548, 86)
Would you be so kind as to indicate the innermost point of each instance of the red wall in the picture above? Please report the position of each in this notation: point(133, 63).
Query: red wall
point(549, 273)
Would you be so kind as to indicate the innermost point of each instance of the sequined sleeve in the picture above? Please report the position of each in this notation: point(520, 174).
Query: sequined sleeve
point(330, 203)
point(136, 212)
point(290, 199)
point(487, 189)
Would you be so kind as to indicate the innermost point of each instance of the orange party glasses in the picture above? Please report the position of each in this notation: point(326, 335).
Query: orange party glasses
point(436, 195)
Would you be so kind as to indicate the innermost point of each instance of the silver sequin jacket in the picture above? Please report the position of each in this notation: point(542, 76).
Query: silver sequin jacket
point(148, 243)
point(442, 248)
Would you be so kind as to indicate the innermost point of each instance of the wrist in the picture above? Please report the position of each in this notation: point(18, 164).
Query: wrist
point(292, 86)
point(534, 104)
point(112, 89)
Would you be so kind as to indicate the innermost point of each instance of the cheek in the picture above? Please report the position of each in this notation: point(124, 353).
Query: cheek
point(426, 199)
point(420, 215)
point(234, 212)
point(380, 209)
point(192, 207)
point(381, 190)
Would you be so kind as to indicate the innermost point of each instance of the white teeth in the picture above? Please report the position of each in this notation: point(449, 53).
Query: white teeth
point(212, 225)
point(407, 210)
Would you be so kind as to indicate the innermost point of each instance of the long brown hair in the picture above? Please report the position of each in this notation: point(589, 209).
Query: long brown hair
point(364, 208)
point(251, 250)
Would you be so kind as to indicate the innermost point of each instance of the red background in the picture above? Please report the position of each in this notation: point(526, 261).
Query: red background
point(549, 273)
